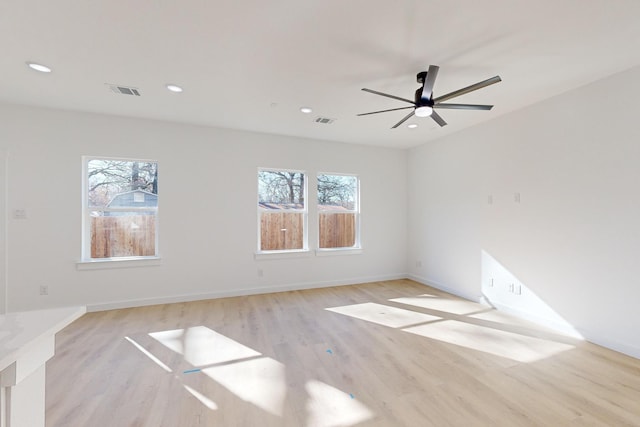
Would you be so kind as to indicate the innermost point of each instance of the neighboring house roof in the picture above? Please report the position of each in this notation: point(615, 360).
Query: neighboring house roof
point(134, 198)
point(287, 206)
point(280, 206)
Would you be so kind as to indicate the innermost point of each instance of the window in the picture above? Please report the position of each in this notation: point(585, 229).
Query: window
point(282, 210)
point(120, 209)
point(338, 211)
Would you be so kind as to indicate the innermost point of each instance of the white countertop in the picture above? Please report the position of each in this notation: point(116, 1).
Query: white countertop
point(21, 329)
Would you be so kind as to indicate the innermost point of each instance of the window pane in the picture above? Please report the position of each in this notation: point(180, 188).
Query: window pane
point(122, 234)
point(337, 230)
point(281, 231)
point(122, 183)
point(337, 211)
point(337, 192)
point(281, 190)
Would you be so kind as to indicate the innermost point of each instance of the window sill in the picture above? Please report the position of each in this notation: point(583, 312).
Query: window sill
point(282, 254)
point(338, 251)
point(99, 264)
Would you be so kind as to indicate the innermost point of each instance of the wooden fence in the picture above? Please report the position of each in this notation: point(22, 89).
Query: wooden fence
point(121, 236)
point(281, 230)
point(337, 230)
point(284, 230)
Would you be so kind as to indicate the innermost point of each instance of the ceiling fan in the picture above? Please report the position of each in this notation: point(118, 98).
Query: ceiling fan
point(425, 104)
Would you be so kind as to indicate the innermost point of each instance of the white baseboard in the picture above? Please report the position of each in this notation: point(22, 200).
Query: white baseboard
point(444, 288)
point(582, 333)
point(605, 342)
point(629, 350)
point(237, 292)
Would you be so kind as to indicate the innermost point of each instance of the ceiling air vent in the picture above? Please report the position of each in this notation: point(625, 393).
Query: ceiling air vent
point(124, 90)
point(325, 120)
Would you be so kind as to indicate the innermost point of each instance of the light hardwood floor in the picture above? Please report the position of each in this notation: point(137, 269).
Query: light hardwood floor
point(393, 353)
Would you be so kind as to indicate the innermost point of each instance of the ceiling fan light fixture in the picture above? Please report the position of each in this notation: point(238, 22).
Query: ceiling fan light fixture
point(424, 111)
point(306, 110)
point(412, 125)
point(174, 88)
point(39, 67)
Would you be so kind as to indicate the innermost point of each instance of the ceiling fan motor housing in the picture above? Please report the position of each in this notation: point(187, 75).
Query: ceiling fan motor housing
point(421, 77)
point(422, 102)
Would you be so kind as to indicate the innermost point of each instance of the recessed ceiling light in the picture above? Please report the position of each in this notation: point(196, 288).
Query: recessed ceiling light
point(412, 126)
point(174, 88)
point(306, 110)
point(39, 67)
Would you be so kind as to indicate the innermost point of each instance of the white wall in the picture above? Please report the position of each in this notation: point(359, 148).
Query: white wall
point(573, 240)
point(572, 243)
point(207, 188)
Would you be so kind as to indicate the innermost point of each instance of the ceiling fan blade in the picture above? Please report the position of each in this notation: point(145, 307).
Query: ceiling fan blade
point(468, 89)
point(384, 111)
point(387, 95)
point(439, 120)
point(463, 106)
point(408, 116)
point(427, 88)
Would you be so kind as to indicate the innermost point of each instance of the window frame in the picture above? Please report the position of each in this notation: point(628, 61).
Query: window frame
point(85, 256)
point(357, 246)
point(304, 212)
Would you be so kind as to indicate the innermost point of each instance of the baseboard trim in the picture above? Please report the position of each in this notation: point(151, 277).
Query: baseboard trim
point(576, 331)
point(114, 305)
point(593, 338)
point(629, 350)
point(435, 284)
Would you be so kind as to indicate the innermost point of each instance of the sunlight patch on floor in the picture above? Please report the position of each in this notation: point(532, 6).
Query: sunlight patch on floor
point(328, 406)
point(384, 314)
point(449, 305)
point(149, 354)
point(259, 381)
point(201, 397)
point(202, 346)
point(521, 348)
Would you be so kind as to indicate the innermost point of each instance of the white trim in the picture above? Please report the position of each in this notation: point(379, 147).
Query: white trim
point(627, 349)
point(297, 253)
point(124, 262)
point(304, 211)
point(595, 338)
point(239, 292)
point(444, 288)
point(85, 243)
point(338, 251)
point(355, 211)
point(4, 241)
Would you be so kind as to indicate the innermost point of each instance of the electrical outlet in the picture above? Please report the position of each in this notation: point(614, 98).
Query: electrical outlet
point(517, 289)
point(44, 290)
point(491, 283)
point(20, 213)
point(511, 287)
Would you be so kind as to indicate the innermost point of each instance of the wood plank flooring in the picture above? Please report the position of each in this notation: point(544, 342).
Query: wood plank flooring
point(393, 353)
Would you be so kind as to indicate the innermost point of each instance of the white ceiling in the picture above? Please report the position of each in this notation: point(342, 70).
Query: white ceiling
point(251, 64)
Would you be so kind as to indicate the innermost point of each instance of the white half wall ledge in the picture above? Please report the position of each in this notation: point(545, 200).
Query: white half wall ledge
point(240, 292)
